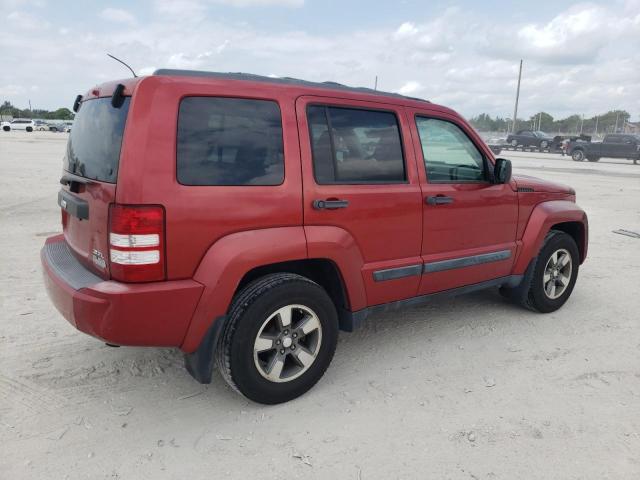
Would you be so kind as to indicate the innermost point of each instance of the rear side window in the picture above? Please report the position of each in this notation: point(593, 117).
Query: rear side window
point(93, 149)
point(229, 141)
point(352, 146)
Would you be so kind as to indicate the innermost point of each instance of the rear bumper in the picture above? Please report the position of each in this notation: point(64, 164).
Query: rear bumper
point(144, 314)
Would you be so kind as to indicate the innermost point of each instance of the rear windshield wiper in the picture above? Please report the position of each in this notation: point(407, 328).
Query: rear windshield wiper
point(69, 178)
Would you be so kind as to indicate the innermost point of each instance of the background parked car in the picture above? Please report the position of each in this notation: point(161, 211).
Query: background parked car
point(19, 124)
point(60, 126)
point(530, 138)
point(41, 126)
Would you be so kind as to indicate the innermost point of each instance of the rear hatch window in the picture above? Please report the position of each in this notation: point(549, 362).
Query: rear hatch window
point(93, 150)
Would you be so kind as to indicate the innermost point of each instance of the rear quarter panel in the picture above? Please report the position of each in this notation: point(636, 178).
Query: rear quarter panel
point(198, 216)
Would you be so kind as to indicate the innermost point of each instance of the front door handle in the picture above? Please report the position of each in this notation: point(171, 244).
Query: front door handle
point(330, 204)
point(439, 200)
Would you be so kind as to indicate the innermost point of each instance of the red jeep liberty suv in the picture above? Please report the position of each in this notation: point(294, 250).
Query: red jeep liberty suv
point(246, 220)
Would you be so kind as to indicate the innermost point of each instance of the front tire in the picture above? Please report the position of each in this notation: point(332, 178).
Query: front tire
point(514, 143)
point(29, 129)
point(577, 155)
point(280, 337)
point(543, 145)
point(555, 273)
point(593, 159)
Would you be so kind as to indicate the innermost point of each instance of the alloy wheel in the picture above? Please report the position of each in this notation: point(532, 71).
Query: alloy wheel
point(557, 274)
point(287, 343)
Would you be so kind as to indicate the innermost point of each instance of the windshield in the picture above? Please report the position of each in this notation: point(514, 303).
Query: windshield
point(93, 149)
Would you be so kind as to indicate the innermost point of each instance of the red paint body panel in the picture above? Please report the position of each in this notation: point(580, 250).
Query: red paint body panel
point(339, 246)
point(149, 314)
point(85, 236)
point(383, 220)
point(215, 235)
point(198, 216)
point(482, 218)
point(227, 261)
point(544, 216)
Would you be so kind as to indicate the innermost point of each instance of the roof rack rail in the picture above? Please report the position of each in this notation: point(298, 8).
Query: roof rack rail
point(329, 85)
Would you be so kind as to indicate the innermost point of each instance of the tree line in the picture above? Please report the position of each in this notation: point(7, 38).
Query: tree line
point(612, 121)
point(8, 110)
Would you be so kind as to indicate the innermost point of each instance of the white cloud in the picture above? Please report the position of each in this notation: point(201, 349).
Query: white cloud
point(11, 90)
point(261, 3)
point(407, 29)
point(26, 21)
point(582, 59)
point(410, 88)
point(118, 15)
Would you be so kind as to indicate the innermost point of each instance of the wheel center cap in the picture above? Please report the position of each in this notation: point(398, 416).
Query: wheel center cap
point(286, 342)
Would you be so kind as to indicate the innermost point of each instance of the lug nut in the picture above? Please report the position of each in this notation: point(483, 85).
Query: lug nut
point(282, 351)
point(295, 335)
point(277, 342)
point(286, 332)
point(293, 347)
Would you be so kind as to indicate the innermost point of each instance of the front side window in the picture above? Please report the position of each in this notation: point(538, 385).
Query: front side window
point(355, 146)
point(229, 141)
point(449, 155)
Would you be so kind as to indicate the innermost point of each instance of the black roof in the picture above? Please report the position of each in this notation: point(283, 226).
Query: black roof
point(280, 80)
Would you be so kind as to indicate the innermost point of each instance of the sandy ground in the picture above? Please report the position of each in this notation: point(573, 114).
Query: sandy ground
point(469, 388)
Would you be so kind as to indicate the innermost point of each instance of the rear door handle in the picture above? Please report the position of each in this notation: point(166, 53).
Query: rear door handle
point(330, 204)
point(439, 200)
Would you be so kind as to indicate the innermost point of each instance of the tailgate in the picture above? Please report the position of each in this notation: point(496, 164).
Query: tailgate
point(85, 221)
point(89, 180)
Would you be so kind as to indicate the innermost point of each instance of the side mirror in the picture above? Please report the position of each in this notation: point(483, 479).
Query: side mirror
point(502, 171)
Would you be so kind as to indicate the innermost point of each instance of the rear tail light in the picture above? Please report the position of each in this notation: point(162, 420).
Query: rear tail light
point(136, 243)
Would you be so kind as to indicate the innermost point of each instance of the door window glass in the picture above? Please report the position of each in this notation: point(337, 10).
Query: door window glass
point(352, 146)
point(449, 155)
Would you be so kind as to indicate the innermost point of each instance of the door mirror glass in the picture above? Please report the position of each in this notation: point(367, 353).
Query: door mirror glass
point(502, 171)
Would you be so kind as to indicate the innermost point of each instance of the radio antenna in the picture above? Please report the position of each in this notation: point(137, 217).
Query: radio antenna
point(118, 60)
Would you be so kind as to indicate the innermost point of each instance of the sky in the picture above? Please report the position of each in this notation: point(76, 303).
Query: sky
point(578, 57)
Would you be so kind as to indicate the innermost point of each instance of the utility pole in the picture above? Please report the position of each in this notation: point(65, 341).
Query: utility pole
point(540, 121)
point(515, 109)
point(375, 86)
point(596, 125)
point(616, 128)
point(581, 123)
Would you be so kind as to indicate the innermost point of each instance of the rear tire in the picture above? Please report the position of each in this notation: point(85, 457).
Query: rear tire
point(514, 143)
point(297, 357)
point(544, 145)
point(6, 129)
point(554, 275)
point(29, 129)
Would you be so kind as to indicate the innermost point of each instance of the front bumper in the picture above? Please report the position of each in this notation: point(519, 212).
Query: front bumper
point(144, 314)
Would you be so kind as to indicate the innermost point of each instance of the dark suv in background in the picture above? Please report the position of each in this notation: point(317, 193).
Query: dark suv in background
point(530, 138)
